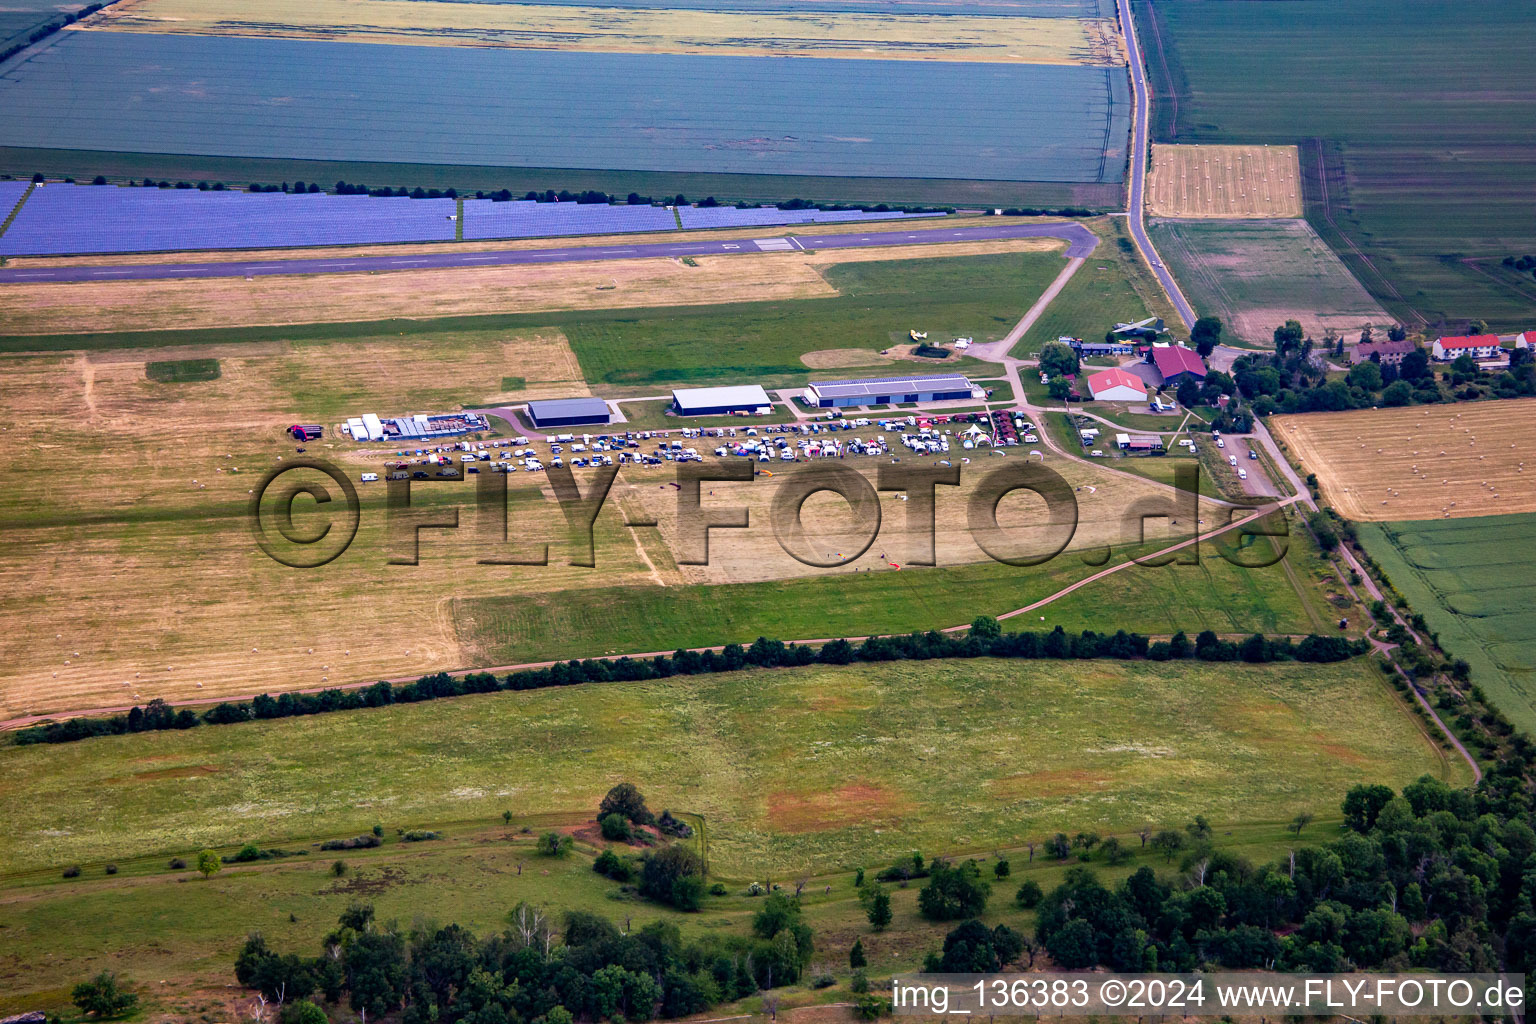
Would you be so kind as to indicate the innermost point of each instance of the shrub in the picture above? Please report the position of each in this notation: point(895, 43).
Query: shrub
point(553, 844)
point(1029, 894)
point(177, 864)
point(611, 865)
point(823, 981)
point(111, 869)
point(615, 828)
point(73, 871)
point(103, 996)
point(363, 842)
point(303, 1012)
point(339, 868)
point(670, 826)
point(718, 889)
point(419, 835)
point(859, 983)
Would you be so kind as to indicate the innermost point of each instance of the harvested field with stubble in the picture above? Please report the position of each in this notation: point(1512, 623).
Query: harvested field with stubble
point(1224, 182)
point(1420, 462)
point(844, 35)
point(170, 304)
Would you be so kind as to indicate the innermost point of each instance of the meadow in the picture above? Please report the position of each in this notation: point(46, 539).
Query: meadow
point(1410, 176)
point(1257, 274)
point(280, 98)
point(794, 771)
point(1426, 462)
point(876, 304)
point(187, 931)
point(1471, 580)
point(1112, 286)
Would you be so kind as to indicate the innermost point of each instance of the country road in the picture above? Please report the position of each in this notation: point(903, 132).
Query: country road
point(1140, 145)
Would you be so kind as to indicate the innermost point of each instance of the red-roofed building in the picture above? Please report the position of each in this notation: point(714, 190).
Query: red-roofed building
point(1116, 385)
point(1526, 340)
point(1478, 346)
point(1177, 363)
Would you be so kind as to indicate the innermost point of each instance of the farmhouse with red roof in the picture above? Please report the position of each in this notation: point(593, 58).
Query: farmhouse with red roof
point(1478, 346)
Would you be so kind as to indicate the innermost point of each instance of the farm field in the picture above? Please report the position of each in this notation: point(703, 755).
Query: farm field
point(1224, 182)
point(1471, 579)
point(1112, 286)
point(1423, 462)
point(1257, 274)
point(1415, 202)
point(701, 113)
point(96, 310)
point(638, 29)
point(800, 770)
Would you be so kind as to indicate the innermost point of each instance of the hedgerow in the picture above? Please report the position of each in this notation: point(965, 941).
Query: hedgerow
point(984, 640)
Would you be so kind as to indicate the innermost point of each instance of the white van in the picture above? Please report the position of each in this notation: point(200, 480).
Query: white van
point(1232, 459)
point(369, 478)
point(1242, 474)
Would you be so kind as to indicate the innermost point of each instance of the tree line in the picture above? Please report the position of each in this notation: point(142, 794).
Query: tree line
point(1429, 878)
point(534, 970)
point(985, 639)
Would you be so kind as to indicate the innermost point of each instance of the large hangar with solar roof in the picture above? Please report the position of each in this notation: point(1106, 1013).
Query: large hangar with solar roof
point(837, 394)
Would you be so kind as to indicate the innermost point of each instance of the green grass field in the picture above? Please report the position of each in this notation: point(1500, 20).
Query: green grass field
point(1112, 286)
point(1215, 594)
point(1471, 580)
point(794, 771)
point(979, 296)
point(1417, 170)
point(1256, 274)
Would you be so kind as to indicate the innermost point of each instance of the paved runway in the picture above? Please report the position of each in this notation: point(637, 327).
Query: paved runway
point(1080, 239)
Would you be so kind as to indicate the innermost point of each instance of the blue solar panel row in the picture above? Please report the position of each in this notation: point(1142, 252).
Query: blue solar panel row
point(731, 217)
point(67, 219)
point(59, 219)
point(526, 219)
point(10, 193)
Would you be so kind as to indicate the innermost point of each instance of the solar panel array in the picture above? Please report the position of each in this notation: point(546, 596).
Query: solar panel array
point(62, 219)
point(763, 216)
point(59, 219)
point(527, 219)
point(10, 193)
